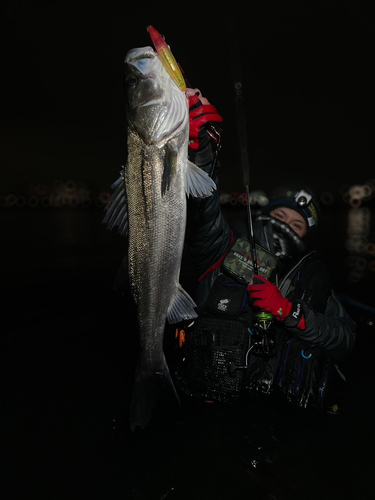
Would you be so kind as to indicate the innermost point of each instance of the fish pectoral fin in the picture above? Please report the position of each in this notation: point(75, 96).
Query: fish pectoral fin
point(117, 207)
point(181, 307)
point(169, 167)
point(198, 182)
point(150, 389)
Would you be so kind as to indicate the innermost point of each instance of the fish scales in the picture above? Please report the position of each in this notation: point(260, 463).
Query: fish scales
point(153, 218)
point(156, 229)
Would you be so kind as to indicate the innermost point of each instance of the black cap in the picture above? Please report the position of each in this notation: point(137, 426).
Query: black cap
point(302, 200)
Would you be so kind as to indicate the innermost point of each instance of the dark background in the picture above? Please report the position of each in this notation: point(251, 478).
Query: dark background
point(69, 341)
point(306, 73)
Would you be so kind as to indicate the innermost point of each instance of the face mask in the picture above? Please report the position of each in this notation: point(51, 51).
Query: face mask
point(278, 238)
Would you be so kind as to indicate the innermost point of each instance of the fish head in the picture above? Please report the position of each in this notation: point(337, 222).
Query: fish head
point(155, 106)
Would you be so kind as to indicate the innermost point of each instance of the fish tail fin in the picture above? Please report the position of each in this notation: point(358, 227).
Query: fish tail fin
point(181, 307)
point(198, 182)
point(149, 390)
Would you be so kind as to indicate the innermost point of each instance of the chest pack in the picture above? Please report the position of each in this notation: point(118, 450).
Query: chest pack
point(217, 344)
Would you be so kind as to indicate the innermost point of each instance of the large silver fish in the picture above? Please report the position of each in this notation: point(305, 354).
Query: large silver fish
point(149, 204)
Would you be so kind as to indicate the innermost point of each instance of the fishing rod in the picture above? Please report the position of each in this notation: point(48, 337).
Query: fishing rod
point(261, 343)
point(236, 67)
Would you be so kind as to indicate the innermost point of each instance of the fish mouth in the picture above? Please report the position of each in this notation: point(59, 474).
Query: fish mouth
point(138, 58)
point(156, 109)
point(140, 65)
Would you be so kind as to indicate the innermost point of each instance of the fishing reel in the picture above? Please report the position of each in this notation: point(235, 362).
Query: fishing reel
point(262, 341)
point(263, 335)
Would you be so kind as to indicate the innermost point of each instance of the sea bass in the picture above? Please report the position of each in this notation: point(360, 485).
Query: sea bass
point(149, 205)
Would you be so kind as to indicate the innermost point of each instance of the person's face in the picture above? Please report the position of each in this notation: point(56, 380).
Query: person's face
point(289, 216)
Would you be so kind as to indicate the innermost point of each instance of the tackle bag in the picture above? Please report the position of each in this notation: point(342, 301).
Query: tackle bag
point(217, 344)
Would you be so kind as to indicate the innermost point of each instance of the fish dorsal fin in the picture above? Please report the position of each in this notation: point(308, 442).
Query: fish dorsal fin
point(117, 207)
point(181, 307)
point(198, 182)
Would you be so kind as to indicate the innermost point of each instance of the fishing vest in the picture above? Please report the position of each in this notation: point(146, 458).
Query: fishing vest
point(219, 361)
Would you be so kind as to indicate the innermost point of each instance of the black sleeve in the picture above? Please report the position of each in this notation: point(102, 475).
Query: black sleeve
point(334, 330)
point(326, 321)
point(208, 235)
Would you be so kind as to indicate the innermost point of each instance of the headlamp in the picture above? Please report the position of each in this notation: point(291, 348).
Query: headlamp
point(302, 198)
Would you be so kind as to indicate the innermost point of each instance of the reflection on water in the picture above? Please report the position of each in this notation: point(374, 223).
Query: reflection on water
point(40, 243)
point(41, 238)
point(57, 194)
point(361, 249)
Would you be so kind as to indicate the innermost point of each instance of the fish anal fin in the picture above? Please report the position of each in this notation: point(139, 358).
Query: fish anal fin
point(198, 182)
point(181, 307)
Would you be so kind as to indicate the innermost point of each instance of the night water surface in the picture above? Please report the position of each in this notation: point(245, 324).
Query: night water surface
point(68, 351)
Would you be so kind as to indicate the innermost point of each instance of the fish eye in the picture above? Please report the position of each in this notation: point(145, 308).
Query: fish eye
point(131, 81)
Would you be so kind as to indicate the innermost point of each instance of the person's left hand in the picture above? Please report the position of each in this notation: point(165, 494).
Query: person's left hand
point(202, 115)
point(195, 95)
point(265, 295)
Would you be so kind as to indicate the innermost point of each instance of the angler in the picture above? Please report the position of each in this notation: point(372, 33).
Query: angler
point(283, 328)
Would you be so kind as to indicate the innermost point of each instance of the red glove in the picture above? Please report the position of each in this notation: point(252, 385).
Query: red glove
point(204, 123)
point(263, 294)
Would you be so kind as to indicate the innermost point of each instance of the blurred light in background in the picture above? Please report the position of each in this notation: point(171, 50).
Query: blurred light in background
point(56, 195)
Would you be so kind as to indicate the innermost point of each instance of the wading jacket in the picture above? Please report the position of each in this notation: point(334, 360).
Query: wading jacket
point(208, 238)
